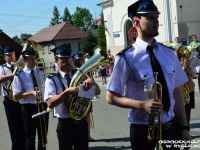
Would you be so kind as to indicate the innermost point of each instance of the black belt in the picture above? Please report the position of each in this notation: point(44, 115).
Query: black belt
point(166, 126)
point(71, 120)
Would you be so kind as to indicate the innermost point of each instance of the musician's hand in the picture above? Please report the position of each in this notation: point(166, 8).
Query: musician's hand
point(72, 90)
point(87, 84)
point(38, 95)
point(152, 106)
point(34, 93)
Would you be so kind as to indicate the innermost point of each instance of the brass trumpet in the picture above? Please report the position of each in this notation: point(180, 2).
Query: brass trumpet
point(157, 94)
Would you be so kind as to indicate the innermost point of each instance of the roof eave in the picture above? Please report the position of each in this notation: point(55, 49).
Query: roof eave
point(105, 3)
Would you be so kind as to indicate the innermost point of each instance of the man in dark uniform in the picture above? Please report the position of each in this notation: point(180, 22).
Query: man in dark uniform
point(72, 134)
point(136, 69)
point(12, 107)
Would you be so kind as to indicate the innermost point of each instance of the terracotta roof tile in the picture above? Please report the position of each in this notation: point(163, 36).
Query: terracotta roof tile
point(5, 40)
point(63, 31)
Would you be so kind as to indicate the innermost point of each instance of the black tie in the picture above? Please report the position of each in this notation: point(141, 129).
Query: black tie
point(34, 79)
point(68, 78)
point(157, 68)
point(12, 67)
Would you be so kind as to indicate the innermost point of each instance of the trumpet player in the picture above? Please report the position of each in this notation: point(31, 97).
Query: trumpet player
point(71, 134)
point(134, 71)
point(28, 87)
point(12, 108)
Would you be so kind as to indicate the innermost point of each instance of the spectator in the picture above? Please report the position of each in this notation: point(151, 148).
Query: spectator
point(183, 41)
point(177, 39)
point(111, 60)
point(195, 43)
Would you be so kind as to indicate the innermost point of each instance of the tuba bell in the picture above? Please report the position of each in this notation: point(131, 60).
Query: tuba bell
point(184, 54)
point(78, 107)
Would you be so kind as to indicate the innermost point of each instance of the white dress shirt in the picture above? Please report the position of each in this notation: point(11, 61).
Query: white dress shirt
point(122, 82)
point(53, 87)
point(23, 82)
point(4, 70)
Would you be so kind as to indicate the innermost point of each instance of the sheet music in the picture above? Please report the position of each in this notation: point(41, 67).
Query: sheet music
point(87, 94)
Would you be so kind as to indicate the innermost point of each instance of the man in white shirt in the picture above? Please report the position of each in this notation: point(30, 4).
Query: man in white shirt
point(71, 133)
point(12, 107)
point(134, 74)
point(28, 87)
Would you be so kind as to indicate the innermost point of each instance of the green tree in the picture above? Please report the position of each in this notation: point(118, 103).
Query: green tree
point(82, 18)
point(24, 37)
point(1, 56)
point(67, 17)
point(101, 41)
point(56, 17)
point(89, 43)
point(17, 39)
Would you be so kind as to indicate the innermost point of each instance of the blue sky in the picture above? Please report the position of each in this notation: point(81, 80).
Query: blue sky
point(29, 16)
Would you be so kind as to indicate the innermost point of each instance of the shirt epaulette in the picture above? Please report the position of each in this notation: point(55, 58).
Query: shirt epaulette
point(51, 75)
point(4, 65)
point(19, 72)
point(124, 50)
point(166, 46)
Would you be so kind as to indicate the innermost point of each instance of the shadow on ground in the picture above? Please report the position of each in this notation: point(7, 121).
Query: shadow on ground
point(109, 148)
point(126, 139)
point(194, 126)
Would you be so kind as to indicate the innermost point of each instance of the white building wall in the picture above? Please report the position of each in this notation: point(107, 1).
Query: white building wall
point(48, 56)
point(189, 17)
point(178, 18)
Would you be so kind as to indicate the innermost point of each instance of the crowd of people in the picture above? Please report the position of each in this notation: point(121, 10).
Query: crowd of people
point(184, 50)
point(147, 77)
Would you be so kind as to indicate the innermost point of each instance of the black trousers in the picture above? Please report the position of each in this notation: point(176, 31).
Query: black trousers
point(39, 125)
point(139, 140)
point(198, 78)
point(72, 135)
point(15, 124)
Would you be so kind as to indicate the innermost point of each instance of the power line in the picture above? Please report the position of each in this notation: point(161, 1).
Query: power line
point(47, 2)
point(42, 17)
point(9, 25)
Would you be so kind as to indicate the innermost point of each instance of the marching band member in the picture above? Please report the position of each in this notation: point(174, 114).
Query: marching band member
point(134, 70)
point(28, 87)
point(71, 134)
point(12, 108)
point(189, 86)
point(78, 60)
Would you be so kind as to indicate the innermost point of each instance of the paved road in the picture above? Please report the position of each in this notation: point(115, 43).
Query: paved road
point(111, 126)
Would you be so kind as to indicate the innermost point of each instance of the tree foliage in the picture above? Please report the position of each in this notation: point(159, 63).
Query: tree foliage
point(101, 35)
point(56, 17)
point(67, 17)
point(24, 37)
point(1, 55)
point(82, 18)
point(17, 39)
point(89, 43)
